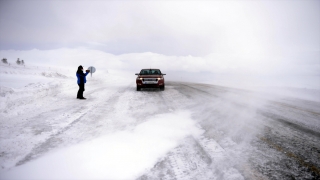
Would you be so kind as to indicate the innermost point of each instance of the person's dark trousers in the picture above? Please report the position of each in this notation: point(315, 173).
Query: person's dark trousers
point(80, 91)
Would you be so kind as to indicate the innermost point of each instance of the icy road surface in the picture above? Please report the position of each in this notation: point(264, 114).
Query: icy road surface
point(188, 131)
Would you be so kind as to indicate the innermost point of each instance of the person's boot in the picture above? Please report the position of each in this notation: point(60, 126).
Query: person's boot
point(82, 98)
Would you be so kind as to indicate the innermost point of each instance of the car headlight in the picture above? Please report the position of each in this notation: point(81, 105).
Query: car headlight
point(160, 79)
point(139, 79)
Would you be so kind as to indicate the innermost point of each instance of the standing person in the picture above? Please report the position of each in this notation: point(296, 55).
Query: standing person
point(81, 81)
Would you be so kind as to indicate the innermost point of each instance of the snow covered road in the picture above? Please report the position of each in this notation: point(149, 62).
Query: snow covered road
point(188, 131)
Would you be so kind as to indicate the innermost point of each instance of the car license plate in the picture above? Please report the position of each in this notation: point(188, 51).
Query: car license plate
point(150, 82)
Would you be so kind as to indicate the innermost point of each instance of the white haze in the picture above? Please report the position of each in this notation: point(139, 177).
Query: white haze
point(221, 69)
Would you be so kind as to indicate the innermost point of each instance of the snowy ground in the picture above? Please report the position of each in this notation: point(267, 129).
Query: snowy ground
point(188, 131)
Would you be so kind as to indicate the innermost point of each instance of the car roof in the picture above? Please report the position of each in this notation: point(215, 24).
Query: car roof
point(150, 69)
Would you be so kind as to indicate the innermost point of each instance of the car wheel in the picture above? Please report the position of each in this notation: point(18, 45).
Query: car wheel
point(138, 88)
point(162, 88)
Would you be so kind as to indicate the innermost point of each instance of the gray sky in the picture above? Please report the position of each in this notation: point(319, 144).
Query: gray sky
point(165, 27)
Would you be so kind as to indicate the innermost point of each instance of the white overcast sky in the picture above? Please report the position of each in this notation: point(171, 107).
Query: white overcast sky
point(269, 36)
point(195, 28)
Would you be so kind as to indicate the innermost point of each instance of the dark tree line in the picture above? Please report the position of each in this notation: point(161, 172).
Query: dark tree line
point(4, 60)
point(19, 62)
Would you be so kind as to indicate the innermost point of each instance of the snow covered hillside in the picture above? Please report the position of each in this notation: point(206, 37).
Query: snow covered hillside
point(188, 131)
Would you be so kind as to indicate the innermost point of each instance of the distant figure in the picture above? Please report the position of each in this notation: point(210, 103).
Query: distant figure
point(81, 81)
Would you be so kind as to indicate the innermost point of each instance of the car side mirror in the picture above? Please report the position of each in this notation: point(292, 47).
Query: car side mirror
point(163, 74)
point(137, 74)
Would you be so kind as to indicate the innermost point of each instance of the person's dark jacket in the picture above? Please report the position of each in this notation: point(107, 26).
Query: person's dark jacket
point(81, 77)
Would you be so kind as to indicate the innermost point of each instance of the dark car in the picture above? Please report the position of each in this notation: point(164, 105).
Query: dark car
point(150, 78)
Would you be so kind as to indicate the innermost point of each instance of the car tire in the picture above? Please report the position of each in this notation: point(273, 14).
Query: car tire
point(162, 88)
point(138, 88)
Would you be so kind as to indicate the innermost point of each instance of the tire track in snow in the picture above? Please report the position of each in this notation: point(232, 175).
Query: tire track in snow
point(54, 139)
point(297, 108)
point(187, 161)
point(301, 160)
point(213, 139)
point(193, 158)
point(46, 145)
point(288, 121)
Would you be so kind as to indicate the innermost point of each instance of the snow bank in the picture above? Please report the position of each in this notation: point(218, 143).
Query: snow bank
point(109, 156)
point(19, 77)
point(18, 81)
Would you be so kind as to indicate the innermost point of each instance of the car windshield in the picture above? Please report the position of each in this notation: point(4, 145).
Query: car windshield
point(150, 72)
